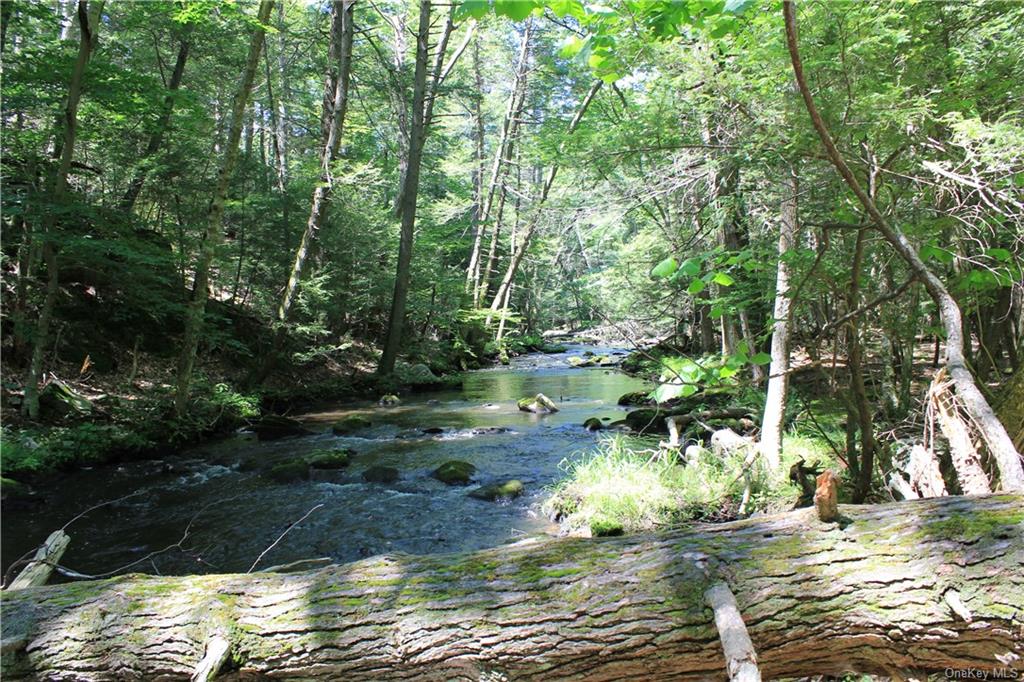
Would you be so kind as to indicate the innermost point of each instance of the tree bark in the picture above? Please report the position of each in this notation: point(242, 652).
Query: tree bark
point(998, 442)
point(215, 214)
point(89, 23)
point(778, 371)
point(409, 194)
point(335, 104)
point(870, 595)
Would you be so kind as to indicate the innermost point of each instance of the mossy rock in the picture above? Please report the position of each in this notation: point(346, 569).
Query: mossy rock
point(575, 361)
point(350, 424)
point(455, 472)
point(273, 427)
point(288, 472)
point(330, 459)
point(389, 400)
point(636, 398)
point(14, 490)
point(647, 420)
point(602, 526)
point(593, 424)
point(380, 474)
point(499, 491)
point(539, 404)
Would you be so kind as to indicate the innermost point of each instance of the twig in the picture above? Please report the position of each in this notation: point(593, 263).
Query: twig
point(281, 537)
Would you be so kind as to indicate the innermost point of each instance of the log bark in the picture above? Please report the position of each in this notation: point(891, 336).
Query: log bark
point(866, 595)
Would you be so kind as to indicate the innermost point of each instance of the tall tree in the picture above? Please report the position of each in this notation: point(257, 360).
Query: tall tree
point(215, 214)
point(335, 104)
point(88, 24)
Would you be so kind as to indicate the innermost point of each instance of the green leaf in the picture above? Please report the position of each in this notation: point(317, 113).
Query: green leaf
point(716, 310)
point(737, 6)
point(665, 268)
point(761, 359)
point(932, 252)
point(723, 279)
point(516, 10)
point(696, 286)
point(561, 8)
point(474, 9)
point(999, 254)
point(690, 267)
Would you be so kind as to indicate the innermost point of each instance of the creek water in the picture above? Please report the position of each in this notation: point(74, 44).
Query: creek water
point(236, 512)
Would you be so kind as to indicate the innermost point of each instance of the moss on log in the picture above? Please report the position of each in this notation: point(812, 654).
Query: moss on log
point(868, 594)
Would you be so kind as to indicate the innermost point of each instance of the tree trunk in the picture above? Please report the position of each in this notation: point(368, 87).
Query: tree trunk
point(408, 194)
point(778, 372)
point(335, 104)
point(88, 22)
point(894, 590)
point(997, 440)
point(520, 252)
point(215, 214)
point(135, 186)
point(1011, 407)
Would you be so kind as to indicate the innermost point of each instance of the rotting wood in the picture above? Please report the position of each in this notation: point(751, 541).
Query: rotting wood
point(39, 569)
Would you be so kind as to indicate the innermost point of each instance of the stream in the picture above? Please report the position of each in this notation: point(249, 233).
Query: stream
point(236, 513)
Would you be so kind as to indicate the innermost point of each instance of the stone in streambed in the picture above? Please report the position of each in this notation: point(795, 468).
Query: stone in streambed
point(273, 427)
point(330, 459)
point(539, 404)
point(288, 472)
point(380, 474)
point(593, 424)
point(499, 491)
point(350, 424)
point(454, 472)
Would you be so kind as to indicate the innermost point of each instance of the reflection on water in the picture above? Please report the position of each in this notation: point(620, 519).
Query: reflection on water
point(240, 512)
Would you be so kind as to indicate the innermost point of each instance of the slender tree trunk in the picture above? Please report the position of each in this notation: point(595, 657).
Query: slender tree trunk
point(863, 462)
point(409, 193)
point(156, 138)
point(88, 23)
point(335, 104)
point(499, 167)
point(520, 251)
point(900, 591)
point(998, 442)
point(778, 373)
point(215, 215)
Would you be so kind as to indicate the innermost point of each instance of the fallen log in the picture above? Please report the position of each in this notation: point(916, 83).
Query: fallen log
point(868, 594)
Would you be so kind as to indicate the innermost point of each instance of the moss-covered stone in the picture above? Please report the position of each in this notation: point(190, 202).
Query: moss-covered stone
point(499, 491)
point(330, 459)
point(603, 526)
point(455, 472)
point(538, 404)
point(593, 424)
point(350, 424)
point(14, 490)
point(389, 400)
point(287, 472)
point(380, 474)
point(636, 398)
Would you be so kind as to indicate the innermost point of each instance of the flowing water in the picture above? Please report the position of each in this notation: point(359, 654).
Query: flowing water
point(236, 512)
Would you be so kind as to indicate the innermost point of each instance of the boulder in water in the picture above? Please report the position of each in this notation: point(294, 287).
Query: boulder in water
point(273, 427)
point(593, 424)
point(454, 472)
point(539, 404)
point(330, 459)
point(636, 398)
point(433, 430)
point(350, 424)
point(488, 430)
point(287, 472)
point(389, 400)
point(499, 491)
point(380, 474)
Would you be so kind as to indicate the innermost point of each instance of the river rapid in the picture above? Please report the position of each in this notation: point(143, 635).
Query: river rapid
point(236, 512)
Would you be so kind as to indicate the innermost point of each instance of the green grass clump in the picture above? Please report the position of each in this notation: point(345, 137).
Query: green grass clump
point(621, 486)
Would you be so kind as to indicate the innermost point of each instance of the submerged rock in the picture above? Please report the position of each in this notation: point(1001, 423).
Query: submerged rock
point(539, 404)
point(489, 430)
point(287, 472)
point(499, 491)
point(454, 472)
point(433, 430)
point(273, 427)
point(380, 474)
point(389, 400)
point(350, 424)
point(593, 424)
point(330, 459)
